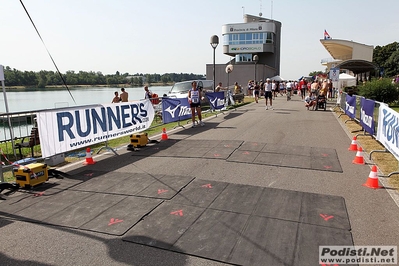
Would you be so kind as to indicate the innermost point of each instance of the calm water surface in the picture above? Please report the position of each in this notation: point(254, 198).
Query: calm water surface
point(35, 99)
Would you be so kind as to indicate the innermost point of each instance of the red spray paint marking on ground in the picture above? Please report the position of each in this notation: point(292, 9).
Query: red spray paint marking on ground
point(326, 217)
point(114, 221)
point(177, 213)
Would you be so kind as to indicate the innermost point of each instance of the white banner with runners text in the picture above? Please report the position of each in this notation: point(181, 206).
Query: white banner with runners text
point(75, 128)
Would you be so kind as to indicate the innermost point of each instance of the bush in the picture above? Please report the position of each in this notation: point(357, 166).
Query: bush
point(381, 90)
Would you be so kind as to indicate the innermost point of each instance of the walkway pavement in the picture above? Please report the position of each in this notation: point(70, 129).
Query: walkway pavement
point(288, 131)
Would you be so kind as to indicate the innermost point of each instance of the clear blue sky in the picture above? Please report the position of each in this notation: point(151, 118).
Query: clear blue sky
point(173, 36)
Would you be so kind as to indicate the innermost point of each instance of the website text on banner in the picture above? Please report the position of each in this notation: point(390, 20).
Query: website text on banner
point(388, 129)
point(73, 128)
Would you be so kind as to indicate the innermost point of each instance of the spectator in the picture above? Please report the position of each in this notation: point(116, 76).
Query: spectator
point(268, 93)
point(310, 100)
point(116, 99)
point(219, 87)
point(237, 88)
point(274, 89)
point(330, 89)
point(303, 85)
point(194, 99)
point(256, 91)
point(250, 87)
point(124, 95)
point(262, 88)
point(314, 87)
point(324, 88)
point(148, 93)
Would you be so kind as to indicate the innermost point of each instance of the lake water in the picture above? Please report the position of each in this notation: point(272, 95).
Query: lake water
point(35, 99)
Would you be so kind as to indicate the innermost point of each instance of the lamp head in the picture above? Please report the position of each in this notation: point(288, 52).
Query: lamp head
point(214, 41)
point(229, 68)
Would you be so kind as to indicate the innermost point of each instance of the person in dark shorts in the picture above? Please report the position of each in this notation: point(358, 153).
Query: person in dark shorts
point(256, 91)
point(194, 99)
point(268, 93)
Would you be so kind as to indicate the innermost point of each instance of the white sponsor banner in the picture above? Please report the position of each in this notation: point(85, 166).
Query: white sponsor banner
point(246, 48)
point(388, 129)
point(73, 128)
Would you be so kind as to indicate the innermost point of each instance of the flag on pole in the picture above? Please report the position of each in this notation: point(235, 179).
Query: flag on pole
point(326, 35)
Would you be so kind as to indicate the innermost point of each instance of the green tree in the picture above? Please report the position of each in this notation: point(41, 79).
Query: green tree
point(42, 80)
point(381, 90)
point(382, 54)
point(392, 64)
point(315, 73)
point(165, 79)
point(149, 78)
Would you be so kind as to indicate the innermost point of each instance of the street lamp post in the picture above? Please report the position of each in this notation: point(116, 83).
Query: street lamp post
point(214, 44)
point(256, 59)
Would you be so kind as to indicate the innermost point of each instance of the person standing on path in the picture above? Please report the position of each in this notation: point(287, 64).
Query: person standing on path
point(194, 99)
point(303, 85)
point(256, 91)
point(124, 95)
point(268, 93)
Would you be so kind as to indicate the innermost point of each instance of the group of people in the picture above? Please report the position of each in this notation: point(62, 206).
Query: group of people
point(269, 89)
point(309, 91)
point(194, 99)
point(319, 90)
point(123, 97)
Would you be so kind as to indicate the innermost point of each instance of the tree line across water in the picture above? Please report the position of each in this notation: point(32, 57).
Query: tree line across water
point(43, 78)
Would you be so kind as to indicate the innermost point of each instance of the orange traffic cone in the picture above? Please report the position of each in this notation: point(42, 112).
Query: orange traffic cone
point(359, 156)
point(372, 181)
point(164, 135)
point(353, 146)
point(89, 159)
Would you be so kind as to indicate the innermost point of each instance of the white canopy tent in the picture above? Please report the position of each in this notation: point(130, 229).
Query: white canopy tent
point(277, 78)
point(346, 80)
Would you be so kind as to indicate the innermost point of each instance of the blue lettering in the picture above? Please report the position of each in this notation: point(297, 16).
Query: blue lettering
point(135, 113)
point(97, 120)
point(114, 118)
point(391, 127)
point(143, 111)
point(64, 127)
point(82, 133)
point(125, 116)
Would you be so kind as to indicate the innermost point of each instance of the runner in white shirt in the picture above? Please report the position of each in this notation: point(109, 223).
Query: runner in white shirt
point(269, 92)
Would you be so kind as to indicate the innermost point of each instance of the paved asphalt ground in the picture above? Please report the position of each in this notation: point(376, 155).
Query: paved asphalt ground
point(373, 214)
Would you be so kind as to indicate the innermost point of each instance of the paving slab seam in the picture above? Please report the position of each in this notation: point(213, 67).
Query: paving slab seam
point(393, 193)
point(127, 229)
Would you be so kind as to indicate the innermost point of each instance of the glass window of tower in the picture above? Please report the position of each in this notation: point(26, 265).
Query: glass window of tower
point(243, 57)
point(248, 38)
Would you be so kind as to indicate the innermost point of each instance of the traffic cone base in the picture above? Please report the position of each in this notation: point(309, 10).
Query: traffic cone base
point(353, 146)
point(89, 159)
point(164, 135)
point(359, 156)
point(372, 181)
